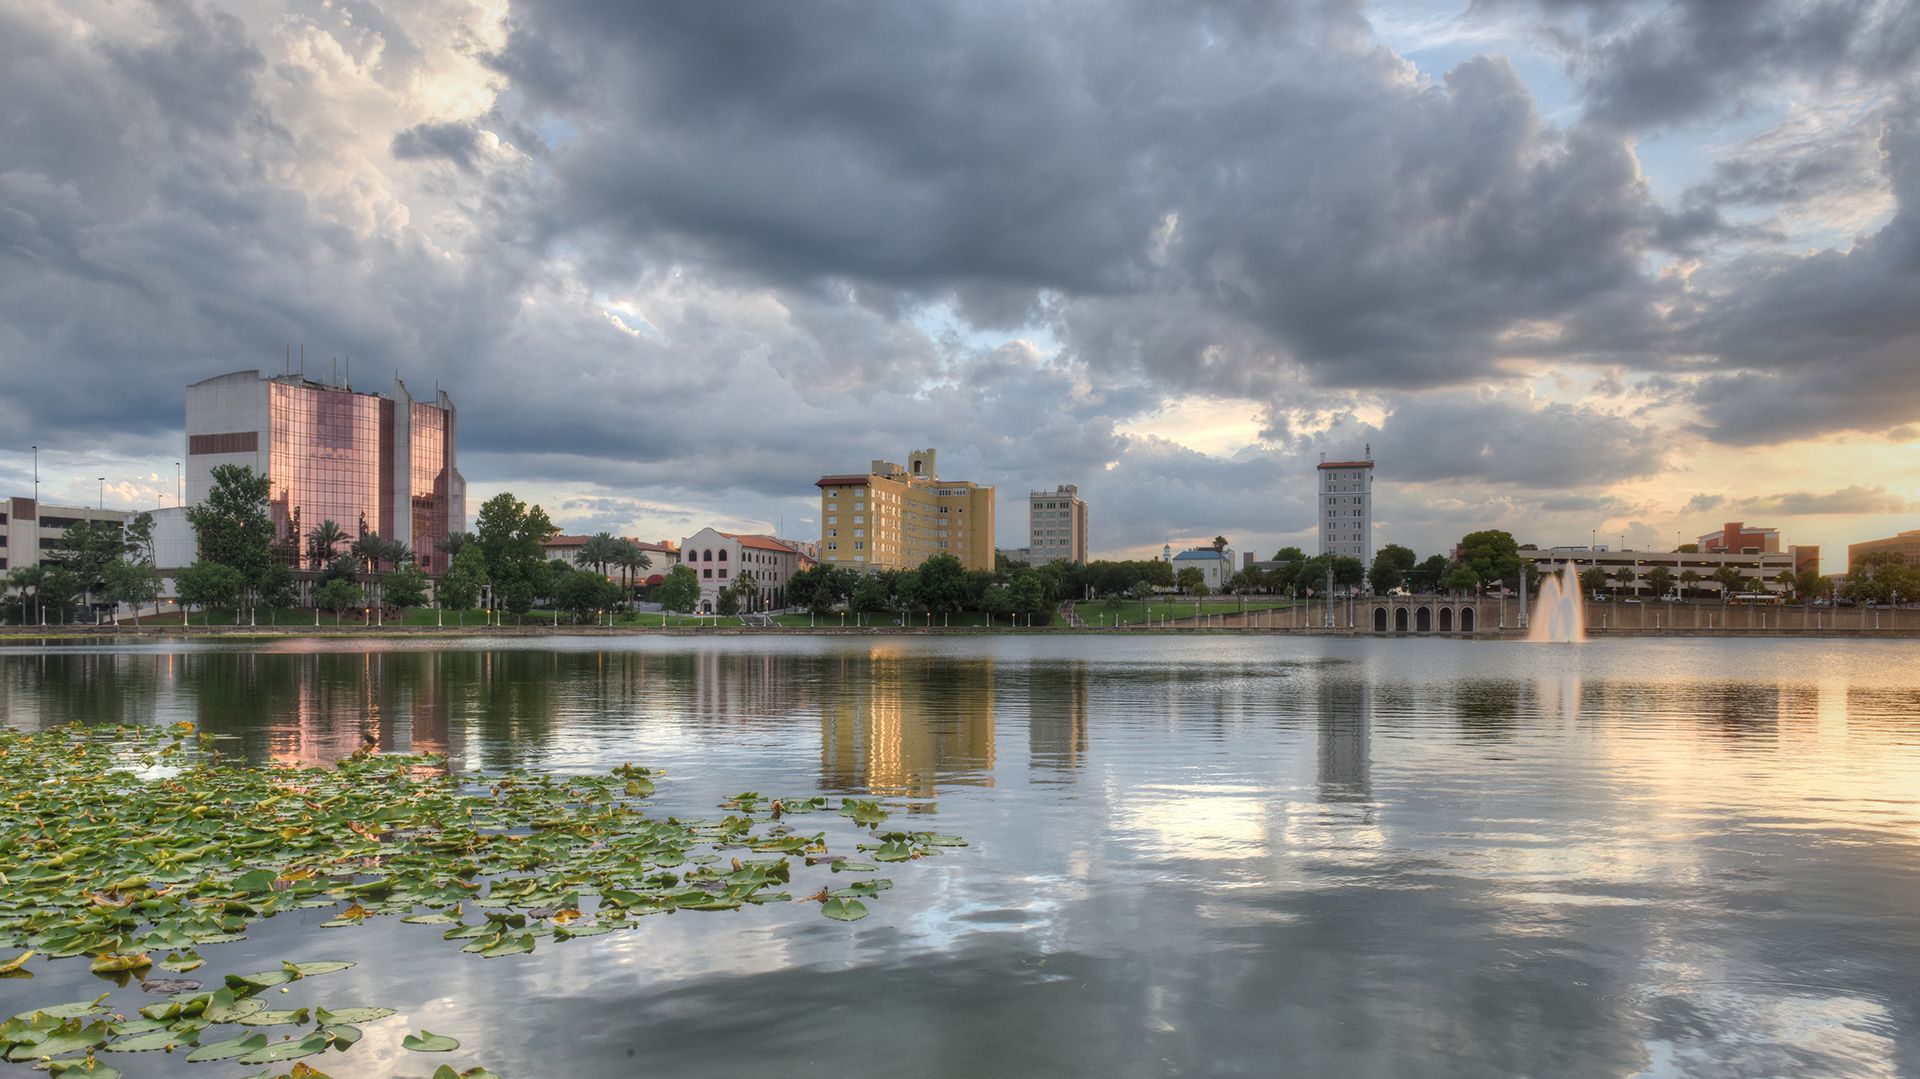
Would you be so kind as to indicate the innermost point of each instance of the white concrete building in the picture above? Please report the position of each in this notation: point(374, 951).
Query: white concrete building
point(1056, 526)
point(718, 558)
point(1215, 566)
point(28, 530)
point(1345, 508)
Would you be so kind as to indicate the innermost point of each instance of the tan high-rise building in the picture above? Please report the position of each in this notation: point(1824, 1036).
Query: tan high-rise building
point(1056, 525)
point(894, 517)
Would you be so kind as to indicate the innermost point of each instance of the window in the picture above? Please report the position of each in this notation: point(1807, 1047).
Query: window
point(723, 556)
point(834, 520)
point(833, 493)
point(833, 532)
point(858, 545)
point(859, 531)
point(707, 573)
point(723, 573)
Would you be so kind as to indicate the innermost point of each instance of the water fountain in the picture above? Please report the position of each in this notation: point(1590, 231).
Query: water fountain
point(1558, 615)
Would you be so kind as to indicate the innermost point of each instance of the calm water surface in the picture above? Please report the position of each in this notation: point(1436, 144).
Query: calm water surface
point(1206, 856)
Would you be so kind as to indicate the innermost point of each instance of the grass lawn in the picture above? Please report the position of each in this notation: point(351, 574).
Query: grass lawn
point(886, 620)
point(1131, 613)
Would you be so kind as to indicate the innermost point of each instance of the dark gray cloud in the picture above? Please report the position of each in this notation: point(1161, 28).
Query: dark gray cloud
point(681, 259)
point(1704, 503)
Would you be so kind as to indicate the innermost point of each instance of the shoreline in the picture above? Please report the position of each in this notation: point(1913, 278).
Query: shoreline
point(109, 634)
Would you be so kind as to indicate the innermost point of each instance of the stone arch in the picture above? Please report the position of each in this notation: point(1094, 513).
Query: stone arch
point(1399, 619)
point(1466, 619)
point(1423, 620)
point(1446, 619)
point(1379, 619)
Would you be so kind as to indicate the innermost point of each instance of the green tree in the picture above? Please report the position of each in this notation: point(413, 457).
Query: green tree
point(460, 586)
point(25, 582)
point(598, 550)
point(511, 536)
point(1688, 579)
point(582, 595)
point(1730, 582)
point(1027, 594)
point(233, 527)
point(1289, 554)
point(1248, 581)
point(1808, 584)
point(405, 587)
point(998, 601)
point(1492, 554)
point(1660, 580)
point(1426, 577)
point(1188, 578)
point(1625, 577)
point(1461, 579)
point(631, 560)
point(274, 586)
point(87, 551)
point(726, 602)
point(1391, 565)
point(1593, 579)
point(1348, 572)
point(869, 595)
point(943, 584)
point(323, 543)
point(207, 584)
point(337, 595)
point(681, 591)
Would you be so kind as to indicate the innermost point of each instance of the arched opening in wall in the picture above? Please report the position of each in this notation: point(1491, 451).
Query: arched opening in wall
point(1446, 619)
point(1399, 619)
point(1423, 620)
point(1466, 619)
point(1379, 619)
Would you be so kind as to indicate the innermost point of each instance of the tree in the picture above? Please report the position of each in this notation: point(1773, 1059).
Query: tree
point(1626, 576)
point(1730, 581)
point(26, 581)
point(1808, 584)
point(631, 560)
point(943, 584)
point(1426, 577)
point(869, 595)
point(1660, 580)
point(337, 595)
point(274, 586)
point(998, 601)
point(1219, 543)
point(727, 602)
point(1492, 554)
point(132, 579)
point(598, 550)
point(405, 587)
point(681, 591)
point(1248, 581)
point(1788, 582)
point(207, 584)
point(1027, 594)
point(1348, 571)
point(1593, 579)
point(1189, 578)
point(1461, 578)
point(1688, 578)
point(87, 550)
point(1687, 548)
point(232, 525)
point(460, 585)
point(323, 542)
point(1289, 554)
point(511, 536)
point(1391, 565)
point(582, 594)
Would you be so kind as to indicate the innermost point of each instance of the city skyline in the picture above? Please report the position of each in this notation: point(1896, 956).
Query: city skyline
point(1581, 285)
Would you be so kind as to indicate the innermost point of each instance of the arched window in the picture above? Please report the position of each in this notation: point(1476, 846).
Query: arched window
point(706, 556)
point(723, 555)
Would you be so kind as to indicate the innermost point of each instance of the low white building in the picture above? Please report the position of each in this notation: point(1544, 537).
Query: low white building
point(1215, 566)
point(719, 558)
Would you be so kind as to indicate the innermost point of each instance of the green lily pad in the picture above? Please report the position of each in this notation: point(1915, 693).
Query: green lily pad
point(228, 1049)
point(276, 1052)
point(428, 1042)
point(142, 1043)
point(328, 1017)
point(844, 910)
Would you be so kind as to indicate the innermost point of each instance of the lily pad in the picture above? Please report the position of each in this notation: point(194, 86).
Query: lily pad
point(228, 1049)
point(844, 910)
point(428, 1042)
point(316, 1042)
point(142, 1043)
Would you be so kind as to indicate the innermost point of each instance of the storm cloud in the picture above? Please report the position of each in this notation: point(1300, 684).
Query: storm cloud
point(675, 261)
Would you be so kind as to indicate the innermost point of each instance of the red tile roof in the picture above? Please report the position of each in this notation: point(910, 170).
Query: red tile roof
point(763, 543)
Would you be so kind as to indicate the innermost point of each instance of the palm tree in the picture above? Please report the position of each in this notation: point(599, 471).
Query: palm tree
point(1688, 578)
point(323, 541)
point(26, 579)
point(1789, 584)
point(597, 551)
point(450, 545)
point(631, 560)
point(371, 550)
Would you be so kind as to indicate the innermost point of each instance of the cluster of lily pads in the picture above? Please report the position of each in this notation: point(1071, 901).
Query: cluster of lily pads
point(133, 848)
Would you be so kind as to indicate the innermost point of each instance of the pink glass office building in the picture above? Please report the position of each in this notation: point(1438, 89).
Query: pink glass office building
point(380, 460)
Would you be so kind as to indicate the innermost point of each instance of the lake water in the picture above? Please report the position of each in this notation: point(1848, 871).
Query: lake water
point(1189, 855)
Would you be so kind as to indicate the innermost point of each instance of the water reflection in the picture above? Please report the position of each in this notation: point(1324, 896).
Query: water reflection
point(1356, 858)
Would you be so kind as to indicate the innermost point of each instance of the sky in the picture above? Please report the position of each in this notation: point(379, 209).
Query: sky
point(1573, 268)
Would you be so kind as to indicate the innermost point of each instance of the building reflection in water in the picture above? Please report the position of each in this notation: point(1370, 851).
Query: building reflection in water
point(1346, 739)
point(895, 723)
point(320, 707)
point(1057, 718)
